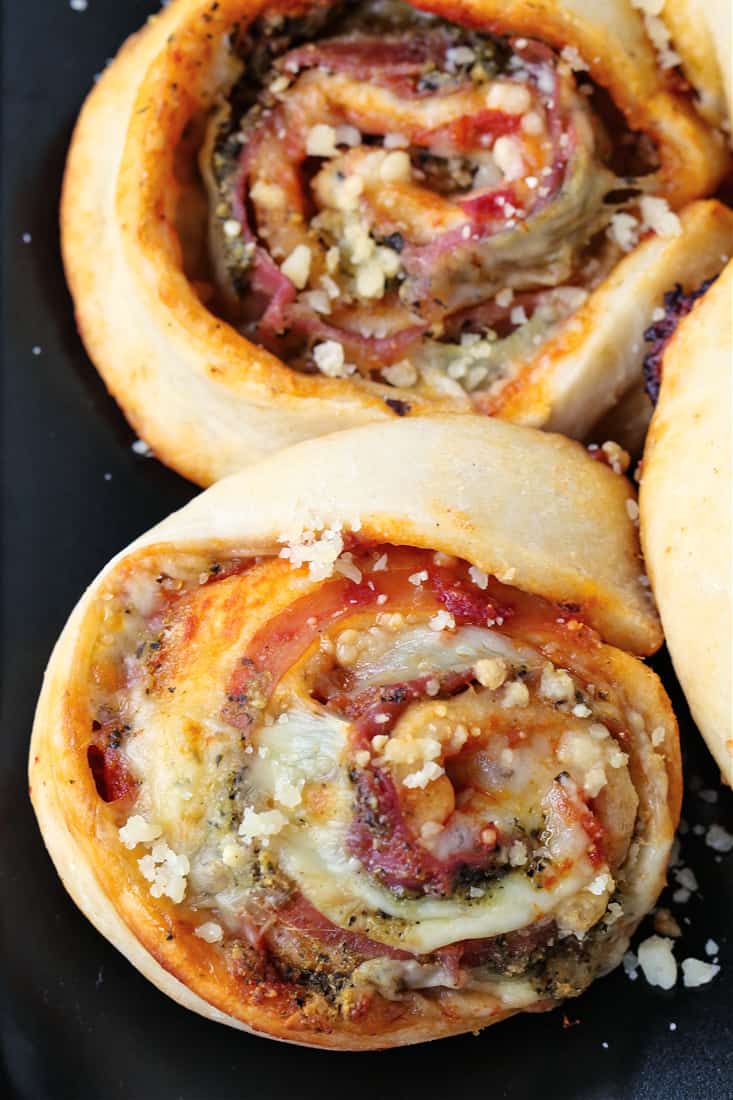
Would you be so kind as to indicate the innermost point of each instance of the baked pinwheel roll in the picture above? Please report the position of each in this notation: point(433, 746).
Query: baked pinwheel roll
point(361, 759)
point(288, 218)
point(685, 500)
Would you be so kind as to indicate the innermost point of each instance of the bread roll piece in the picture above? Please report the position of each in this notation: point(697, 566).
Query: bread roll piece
point(685, 505)
point(263, 247)
point(344, 752)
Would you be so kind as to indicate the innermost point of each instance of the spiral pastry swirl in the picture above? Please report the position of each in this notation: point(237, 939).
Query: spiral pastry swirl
point(307, 216)
point(368, 780)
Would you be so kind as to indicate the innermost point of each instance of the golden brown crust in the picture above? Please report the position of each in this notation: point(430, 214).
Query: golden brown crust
point(579, 546)
point(208, 400)
point(686, 515)
point(597, 351)
point(702, 35)
point(446, 512)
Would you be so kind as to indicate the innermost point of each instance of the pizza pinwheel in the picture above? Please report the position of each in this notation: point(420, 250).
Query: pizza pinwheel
point(359, 762)
point(283, 219)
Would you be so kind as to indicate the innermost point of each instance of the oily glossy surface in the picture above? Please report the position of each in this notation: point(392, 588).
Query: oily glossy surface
point(77, 1020)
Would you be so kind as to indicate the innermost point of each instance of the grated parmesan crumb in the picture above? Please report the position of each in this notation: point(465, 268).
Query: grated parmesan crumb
point(515, 694)
point(657, 961)
point(532, 122)
point(573, 58)
point(268, 195)
point(657, 216)
point(623, 230)
point(329, 358)
point(396, 141)
point(166, 872)
point(402, 374)
point(209, 932)
point(685, 876)
point(695, 972)
point(427, 774)
point(507, 152)
point(396, 167)
point(256, 825)
point(512, 99)
point(346, 566)
point(518, 854)
point(297, 268)
point(479, 578)
point(137, 830)
point(556, 684)
point(442, 620)
point(321, 141)
point(491, 672)
point(416, 579)
point(319, 552)
point(719, 839)
point(603, 883)
point(659, 35)
point(460, 55)
point(614, 912)
point(630, 964)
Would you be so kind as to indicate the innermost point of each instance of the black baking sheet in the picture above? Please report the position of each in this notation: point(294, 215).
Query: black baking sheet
point(77, 1020)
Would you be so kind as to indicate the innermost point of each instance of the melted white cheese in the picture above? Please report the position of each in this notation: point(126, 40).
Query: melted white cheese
point(415, 651)
point(186, 760)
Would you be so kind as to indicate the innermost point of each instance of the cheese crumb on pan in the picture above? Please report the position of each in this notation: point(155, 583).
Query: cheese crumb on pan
point(695, 972)
point(657, 961)
point(719, 839)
